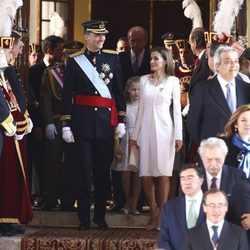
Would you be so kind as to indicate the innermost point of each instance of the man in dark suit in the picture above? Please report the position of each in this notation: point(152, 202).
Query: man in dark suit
point(213, 152)
point(52, 47)
point(198, 46)
point(176, 218)
point(93, 80)
point(135, 62)
point(213, 101)
point(215, 232)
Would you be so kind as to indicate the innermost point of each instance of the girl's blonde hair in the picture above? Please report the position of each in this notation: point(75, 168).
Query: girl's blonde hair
point(230, 126)
point(130, 81)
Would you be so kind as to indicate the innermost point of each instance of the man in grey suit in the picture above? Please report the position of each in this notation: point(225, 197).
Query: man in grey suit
point(215, 233)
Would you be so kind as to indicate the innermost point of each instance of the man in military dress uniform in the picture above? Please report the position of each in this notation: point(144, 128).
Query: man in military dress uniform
point(7, 124)
point(169, 40)
point(93, 81)
point(55, 147)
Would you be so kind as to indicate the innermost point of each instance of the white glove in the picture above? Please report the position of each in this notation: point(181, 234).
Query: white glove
point(121, 130)
point(19, 137)
point(11, 132)
point(30, 126)
point(185, 110)
point(50, 131)
point(67, 135)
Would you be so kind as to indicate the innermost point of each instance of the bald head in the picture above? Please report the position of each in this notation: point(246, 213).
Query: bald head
point(137, 37)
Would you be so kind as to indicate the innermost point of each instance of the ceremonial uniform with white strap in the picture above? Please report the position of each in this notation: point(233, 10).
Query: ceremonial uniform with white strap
point(92, 118)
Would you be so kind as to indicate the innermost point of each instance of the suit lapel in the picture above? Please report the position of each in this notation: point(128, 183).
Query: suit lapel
point(224, 179)
point(201, 216)
point(239, 94)
point(204, 236)
point(182, 213)
point(224, 236)
point(218, 95)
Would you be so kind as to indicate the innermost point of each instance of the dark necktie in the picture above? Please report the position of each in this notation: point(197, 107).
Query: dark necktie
point(136, 64)
point(214, 185)
point(230, 98)
point(215, 236)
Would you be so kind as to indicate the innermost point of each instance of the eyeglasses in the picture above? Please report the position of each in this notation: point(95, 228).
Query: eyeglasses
point(219, 205)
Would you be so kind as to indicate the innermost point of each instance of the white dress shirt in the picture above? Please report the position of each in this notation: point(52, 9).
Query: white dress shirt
point(210, 229)
point(223, 84)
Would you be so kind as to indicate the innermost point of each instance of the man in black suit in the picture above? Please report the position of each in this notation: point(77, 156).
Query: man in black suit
point(177, 214)
point(215, 232)
point(198, 46)
point(52, 47)
point(93, 80)
point(213, 101)
point(136, 61)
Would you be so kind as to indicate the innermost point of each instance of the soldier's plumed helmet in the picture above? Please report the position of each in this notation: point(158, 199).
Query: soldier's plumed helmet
point(95, 26)
point(35, 47)
point(211, 37)
point(72, 46)
point(170, 37)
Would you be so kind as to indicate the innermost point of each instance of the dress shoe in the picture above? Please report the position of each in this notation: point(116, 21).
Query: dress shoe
point(37, 203)
point(6, 229)
point(48, 206)
point(115, 208)
point(84, 227)
point(101, 224)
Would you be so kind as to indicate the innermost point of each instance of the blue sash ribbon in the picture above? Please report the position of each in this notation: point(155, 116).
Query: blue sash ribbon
point(244, 164)
point(93, 75)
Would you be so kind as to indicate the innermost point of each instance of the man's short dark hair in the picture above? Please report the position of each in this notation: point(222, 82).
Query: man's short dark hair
point(51, 42)
point(197, 35)
point(213, 191)
point(123, 38)
point(199, 170)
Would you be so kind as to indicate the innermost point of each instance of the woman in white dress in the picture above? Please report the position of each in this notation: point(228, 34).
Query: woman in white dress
point(157, 134)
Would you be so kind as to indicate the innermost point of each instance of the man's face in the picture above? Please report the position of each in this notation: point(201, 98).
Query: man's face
point(215, 207)
point(122, 46)
point(186, 56)
point(33, 58)
point(213, 160)
point(173, 50)
point(192, 45)
point(190, 182)
point(58, 52)
point(95, 41)
point(137, 41)
point(18, 48)
point(229, 66)
point(8, 54)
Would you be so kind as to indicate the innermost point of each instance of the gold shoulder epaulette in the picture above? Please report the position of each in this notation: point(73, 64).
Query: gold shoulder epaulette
point(109, 51)
point(77, 53)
